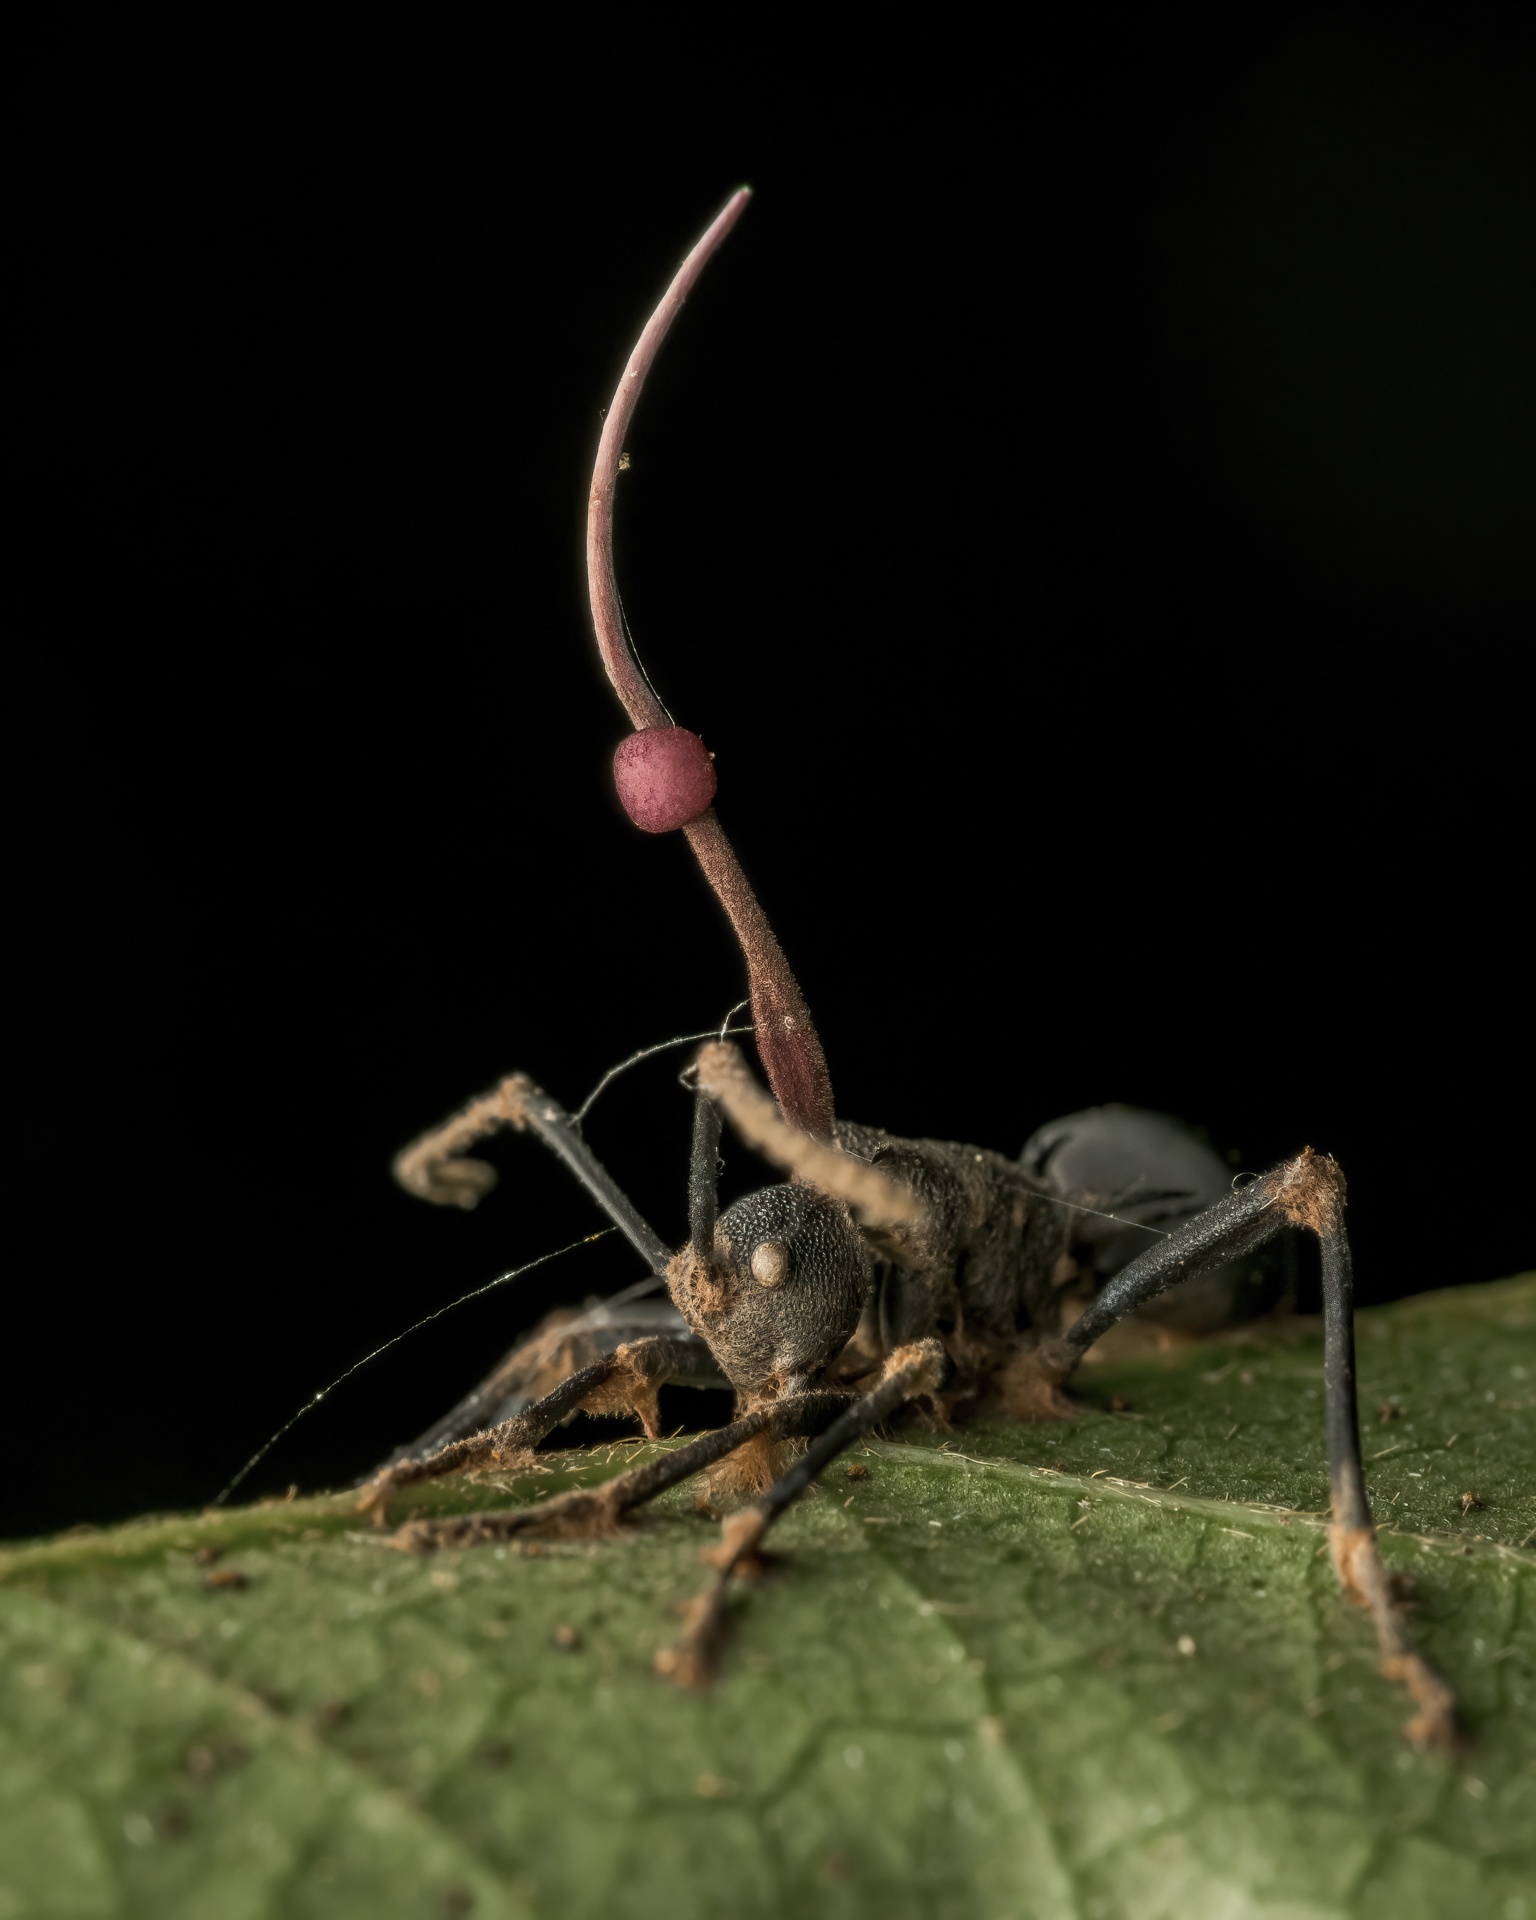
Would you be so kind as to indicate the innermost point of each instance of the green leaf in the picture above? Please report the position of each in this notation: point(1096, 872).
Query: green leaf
point(1007, 1674)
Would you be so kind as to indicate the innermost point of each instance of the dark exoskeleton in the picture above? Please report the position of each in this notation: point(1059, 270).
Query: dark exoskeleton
point(883, 1272)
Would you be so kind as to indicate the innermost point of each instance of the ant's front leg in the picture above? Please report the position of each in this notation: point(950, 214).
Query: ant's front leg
point(1306, 1193)
point(565, 1344)
point(909, 1373)
point(593, 1512)
point(434, 1166)
point(626, 1382)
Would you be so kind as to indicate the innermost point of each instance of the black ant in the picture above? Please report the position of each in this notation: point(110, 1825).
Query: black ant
point(883, 1273)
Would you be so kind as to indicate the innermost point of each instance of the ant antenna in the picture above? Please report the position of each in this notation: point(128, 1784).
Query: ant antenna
point(1119, 1219)
point(682, 1040)
point(500, 1281)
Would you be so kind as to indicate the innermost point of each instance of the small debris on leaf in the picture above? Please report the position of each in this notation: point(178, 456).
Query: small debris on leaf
point(206, 1763)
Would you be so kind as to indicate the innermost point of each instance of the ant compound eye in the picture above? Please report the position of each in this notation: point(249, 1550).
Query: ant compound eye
point(770, 1263)
point(665, 777)
point(781, 1293)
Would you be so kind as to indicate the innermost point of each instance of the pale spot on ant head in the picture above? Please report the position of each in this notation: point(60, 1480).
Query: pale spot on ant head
point(770, 1263)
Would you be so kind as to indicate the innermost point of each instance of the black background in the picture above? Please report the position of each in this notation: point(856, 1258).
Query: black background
point(1086, 507)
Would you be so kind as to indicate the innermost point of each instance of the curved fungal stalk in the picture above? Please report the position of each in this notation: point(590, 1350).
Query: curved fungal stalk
point(624, 671)
point(664, 774)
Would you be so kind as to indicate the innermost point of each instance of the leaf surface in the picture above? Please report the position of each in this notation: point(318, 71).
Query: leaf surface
point(1099, 1669)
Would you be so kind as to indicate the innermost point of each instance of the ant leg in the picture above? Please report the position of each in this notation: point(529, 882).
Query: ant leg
point(508, 1445)
point(703, 1174)
point(563, 1345)
point(624, 1382)
point(910, 1371)
point(588, 1512)
point(1352, 1537)
point(876, 1201)
point(1307, 1192)
point(432, 1168)
point(1234, 1226)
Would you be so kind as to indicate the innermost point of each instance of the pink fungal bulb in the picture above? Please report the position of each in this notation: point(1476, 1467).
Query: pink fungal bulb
point(665, 777)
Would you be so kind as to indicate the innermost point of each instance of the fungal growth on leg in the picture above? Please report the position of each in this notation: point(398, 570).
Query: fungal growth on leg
point(880, 1273)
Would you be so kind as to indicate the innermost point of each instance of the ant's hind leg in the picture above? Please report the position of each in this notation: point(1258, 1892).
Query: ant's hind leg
point(1308, 1193)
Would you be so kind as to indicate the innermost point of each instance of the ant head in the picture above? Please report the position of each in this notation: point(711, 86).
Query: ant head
point(776, 1289)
